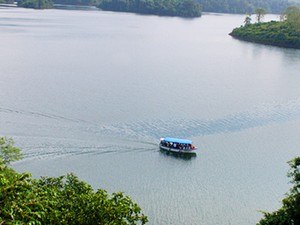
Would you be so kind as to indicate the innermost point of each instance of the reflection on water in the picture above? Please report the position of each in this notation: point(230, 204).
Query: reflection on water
point(177, 155)
point(92, 92)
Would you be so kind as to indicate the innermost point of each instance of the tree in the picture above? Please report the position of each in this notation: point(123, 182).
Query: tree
point(292, 17)
point(182, 8)
point(247, 20)
point(63, 200)
point(36, 4)
point(8, 153)
point(260, 13)
point(289, 213)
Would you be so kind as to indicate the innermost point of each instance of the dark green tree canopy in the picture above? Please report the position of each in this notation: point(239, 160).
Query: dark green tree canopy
point(182, 8)
point(284, 33)
point(63, 200)
point(243, 6)
point(36, 4)
point(260, 14)
point(292, 17)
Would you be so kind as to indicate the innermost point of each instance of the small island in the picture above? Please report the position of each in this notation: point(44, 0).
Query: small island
point(284, 33)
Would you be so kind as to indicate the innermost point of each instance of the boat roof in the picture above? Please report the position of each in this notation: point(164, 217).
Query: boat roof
point(177, 140)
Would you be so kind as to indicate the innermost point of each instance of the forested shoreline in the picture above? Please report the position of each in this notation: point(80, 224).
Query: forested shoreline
point(36, 4)
point(271, 33)
point(285, 33)
point(243, 6)
point(181, 8)
point(173, 7)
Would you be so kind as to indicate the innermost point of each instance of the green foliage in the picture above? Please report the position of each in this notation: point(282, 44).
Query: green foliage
point(77, 2)
point(63, 200)
point(247, 20)
point(7, 1)
point(270, 33)
point(292, 16)
point(36, 4)
point(243, 6)
point(8, 153)
point(260, 13)
point(289, 213)
point(182, 8)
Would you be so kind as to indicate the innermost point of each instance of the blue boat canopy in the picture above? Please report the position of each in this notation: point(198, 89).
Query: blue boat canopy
point(177, 140)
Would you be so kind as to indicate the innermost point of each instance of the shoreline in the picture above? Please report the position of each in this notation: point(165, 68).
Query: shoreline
point(274, 33)
point(280, 45)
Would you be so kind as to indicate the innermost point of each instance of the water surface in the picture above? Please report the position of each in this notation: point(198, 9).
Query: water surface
point(91, 92)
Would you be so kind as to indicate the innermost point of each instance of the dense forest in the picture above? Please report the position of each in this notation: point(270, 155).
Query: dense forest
point(182, 8)
point(7, 1)
point(63, 200)
point(271, 33)
point(77, 2)
point(171, 7)
point(243, 6)
point(222, 6)
point(36, 4)
point(284, 33)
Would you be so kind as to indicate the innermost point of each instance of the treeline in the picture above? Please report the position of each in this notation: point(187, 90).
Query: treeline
point(36, 4)
point(271, 33)
point(7, 1)
point(284, 33)
point(185, 8)
point(243, 6)
point(47, 4)
point(63, 200)
point(77, 2)
point(182, 8)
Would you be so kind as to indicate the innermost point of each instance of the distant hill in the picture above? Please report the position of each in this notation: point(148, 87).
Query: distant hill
point(180, 8)
point(77, 2)
point(221, 6)
point(7, 1)
point(36, 4)
point(243, 6)
point(168, 6)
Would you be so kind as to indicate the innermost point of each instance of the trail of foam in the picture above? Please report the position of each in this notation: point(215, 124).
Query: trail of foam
point(54, 151)
point(72, 137)
point(38, 114)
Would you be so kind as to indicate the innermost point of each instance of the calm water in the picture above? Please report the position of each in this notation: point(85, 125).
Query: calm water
point(91, 92)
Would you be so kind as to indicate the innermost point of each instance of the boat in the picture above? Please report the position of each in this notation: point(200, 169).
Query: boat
point(177, 145)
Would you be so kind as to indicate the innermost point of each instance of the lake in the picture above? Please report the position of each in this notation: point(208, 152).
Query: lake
point(91, 92)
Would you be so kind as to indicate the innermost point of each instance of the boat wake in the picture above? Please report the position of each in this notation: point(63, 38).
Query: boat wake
point(40, 137)
point(258, 117)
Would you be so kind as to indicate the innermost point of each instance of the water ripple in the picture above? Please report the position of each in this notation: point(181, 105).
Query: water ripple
point(258, 117)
